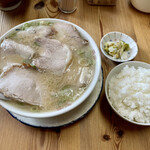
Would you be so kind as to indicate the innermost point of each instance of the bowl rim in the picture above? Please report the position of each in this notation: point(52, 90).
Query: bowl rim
point(111, 58)
point(109, 76)
point(83, 96)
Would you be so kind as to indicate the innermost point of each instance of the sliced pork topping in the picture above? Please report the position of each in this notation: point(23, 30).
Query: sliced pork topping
point(22, 85)
point(68, 34)
point(54, 55)
point(36, 31)
point(12, 47)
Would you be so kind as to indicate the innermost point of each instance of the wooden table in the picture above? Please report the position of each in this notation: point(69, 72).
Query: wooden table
point(101, 129)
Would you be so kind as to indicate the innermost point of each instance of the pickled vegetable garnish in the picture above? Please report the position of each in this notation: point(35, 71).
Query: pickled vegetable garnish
point(118, 49)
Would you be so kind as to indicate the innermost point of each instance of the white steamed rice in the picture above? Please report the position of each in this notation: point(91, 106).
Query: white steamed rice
point(129, 93)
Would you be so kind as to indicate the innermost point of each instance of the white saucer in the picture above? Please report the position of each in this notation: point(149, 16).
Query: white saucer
point(69, 117)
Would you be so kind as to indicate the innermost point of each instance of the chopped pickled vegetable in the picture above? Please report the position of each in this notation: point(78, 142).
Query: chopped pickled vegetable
point(117, 49)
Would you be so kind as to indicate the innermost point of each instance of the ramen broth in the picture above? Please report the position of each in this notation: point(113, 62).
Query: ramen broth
point(63, 89)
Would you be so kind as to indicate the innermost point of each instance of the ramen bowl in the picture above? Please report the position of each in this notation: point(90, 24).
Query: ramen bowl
point(97, 64)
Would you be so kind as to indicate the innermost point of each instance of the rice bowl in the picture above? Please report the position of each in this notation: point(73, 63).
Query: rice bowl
point(127, 91)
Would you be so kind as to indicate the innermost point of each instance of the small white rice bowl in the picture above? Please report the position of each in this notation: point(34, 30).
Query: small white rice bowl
point(127, 89)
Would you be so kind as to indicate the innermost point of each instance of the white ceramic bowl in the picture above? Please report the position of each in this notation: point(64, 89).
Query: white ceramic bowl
point(115, 36)
point(142, 5)
point(16, 110)
point(116, 70)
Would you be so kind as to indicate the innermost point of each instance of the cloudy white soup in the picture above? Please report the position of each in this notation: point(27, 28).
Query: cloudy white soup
point(45, 66)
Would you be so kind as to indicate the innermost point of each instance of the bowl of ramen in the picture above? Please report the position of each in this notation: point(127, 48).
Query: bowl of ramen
point(47, 67)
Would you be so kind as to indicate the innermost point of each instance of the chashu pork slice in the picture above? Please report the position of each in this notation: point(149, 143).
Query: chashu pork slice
point(54, 56)
point(21, 84)
point(12, 47)
point(36, 31)
point(68, 34)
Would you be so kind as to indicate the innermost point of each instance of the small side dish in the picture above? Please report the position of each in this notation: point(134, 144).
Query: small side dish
point(118, 47)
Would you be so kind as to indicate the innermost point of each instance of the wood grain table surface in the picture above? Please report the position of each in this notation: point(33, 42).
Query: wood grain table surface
point(101, 128)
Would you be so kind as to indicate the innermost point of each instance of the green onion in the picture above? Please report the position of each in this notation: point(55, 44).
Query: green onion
point(85, 62)
point(35, 109)
point(37, 43)
point(27, 25)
